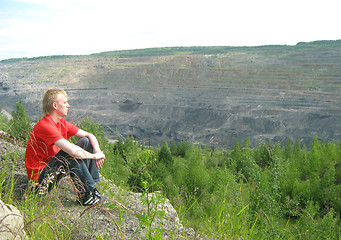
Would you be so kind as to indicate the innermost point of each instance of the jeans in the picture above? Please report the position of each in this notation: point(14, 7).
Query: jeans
point(83, 172)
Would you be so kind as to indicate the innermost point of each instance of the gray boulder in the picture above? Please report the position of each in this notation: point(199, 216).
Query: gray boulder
point(11, 222)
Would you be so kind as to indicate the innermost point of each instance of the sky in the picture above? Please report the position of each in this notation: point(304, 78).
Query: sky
point(32, 28)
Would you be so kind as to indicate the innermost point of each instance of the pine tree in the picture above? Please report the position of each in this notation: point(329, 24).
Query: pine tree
point(20, 124)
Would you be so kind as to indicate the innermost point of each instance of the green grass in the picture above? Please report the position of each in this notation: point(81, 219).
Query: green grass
point(229, 212)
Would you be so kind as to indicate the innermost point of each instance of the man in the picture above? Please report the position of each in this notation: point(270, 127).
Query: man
point(50, 156)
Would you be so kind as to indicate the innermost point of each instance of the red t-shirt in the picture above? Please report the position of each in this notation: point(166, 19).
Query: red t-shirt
point(41, 148)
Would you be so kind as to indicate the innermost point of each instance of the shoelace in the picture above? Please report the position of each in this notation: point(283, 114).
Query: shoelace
point(97, 194)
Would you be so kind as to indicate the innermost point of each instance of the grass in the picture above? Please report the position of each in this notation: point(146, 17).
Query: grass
point(233, 214)
point(47, 217)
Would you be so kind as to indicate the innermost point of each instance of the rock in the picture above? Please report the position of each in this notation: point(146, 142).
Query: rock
point(120, 216)
point(11, 223)
point(7, 114)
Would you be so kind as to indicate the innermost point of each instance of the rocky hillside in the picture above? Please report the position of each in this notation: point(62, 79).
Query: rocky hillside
point(207, 95)
point(117, 218)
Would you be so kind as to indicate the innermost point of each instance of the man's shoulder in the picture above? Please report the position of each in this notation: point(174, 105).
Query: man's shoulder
point(45, 124)
point(46, 120)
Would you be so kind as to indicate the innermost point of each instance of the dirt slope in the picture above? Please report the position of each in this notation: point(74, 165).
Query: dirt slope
point(269, 93)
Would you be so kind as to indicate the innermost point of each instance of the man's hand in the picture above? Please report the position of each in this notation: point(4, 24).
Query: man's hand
point(99, 159)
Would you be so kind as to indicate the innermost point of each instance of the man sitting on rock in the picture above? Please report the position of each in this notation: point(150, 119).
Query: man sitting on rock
point(50, 156)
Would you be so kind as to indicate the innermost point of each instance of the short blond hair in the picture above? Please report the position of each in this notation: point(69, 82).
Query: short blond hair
point(50, 97)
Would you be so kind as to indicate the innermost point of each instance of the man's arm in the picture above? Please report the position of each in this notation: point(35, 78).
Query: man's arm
point(77, 151)
point(93, 140)
point(80, 153)
point(94, 143)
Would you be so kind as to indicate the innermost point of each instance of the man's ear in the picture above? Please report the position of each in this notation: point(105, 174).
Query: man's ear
point(54, 105)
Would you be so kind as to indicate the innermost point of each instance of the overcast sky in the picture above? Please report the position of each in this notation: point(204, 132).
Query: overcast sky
point(31, 28)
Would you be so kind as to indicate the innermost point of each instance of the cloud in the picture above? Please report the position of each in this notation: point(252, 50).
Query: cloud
point(48, 27)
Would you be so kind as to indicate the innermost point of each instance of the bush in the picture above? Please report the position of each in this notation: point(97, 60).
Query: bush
point(96, 129)
point(312, 226)
point(164, 156)
point(182, 148)
point(142, 171)
point(20, 124)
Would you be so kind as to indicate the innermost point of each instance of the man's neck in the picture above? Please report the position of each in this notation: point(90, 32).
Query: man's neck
point(56, 118)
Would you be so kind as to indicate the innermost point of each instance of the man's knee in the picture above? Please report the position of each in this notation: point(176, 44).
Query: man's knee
point(84, 143)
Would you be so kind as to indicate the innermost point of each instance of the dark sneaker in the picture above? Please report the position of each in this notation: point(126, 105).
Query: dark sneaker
point(88, 199)
point(97, 195)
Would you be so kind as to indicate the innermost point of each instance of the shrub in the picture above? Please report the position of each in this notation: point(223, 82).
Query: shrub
point(20, 124)
point(245, 162)
point(142, 172)
point(174, 148)
point(182, 148)
point(312, 226)
point(164, 156)
point(96, 129)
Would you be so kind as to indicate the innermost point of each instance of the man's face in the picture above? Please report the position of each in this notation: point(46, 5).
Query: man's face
point(62, 105)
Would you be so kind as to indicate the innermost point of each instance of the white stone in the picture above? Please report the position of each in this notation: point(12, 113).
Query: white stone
point(11, 223)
